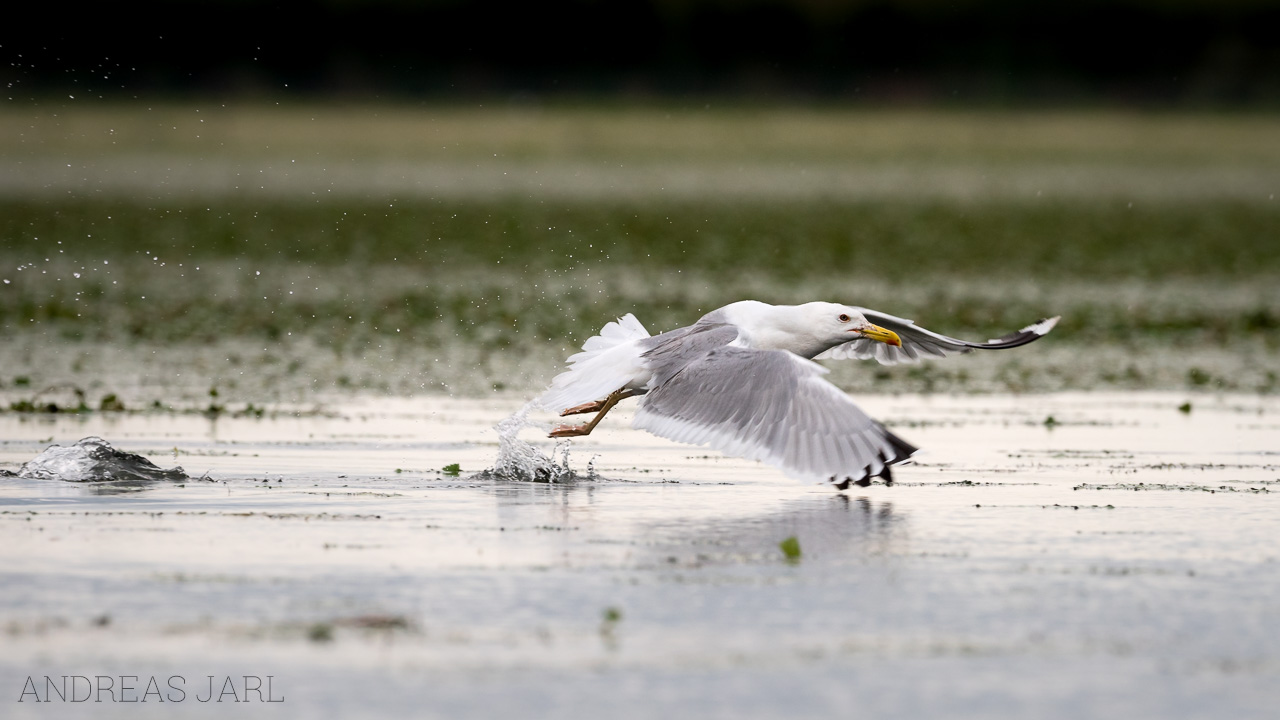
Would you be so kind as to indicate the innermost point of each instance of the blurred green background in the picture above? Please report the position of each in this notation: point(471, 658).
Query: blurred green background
point(267, 230)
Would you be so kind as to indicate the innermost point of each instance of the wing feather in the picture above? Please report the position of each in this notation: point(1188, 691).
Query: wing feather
point(918, 342)
point(772, 406)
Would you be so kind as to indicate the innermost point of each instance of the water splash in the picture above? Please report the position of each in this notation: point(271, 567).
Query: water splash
point(92, 459)
point(521, 462)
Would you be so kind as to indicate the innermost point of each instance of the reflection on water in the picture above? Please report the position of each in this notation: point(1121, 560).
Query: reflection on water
point(827, 529)
point(743, 527)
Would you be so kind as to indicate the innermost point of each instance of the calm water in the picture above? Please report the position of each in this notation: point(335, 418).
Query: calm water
point(1120, 560)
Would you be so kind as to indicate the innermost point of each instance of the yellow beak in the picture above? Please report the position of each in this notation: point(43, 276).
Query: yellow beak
point(875, 332)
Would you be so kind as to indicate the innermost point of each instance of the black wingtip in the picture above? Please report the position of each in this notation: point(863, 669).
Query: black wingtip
point(1028, 334)
point(902, 451)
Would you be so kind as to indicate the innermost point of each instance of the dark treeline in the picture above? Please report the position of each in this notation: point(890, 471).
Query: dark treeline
point(1178, 52)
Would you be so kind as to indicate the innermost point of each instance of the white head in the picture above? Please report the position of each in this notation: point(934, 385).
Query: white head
point(806, 330)
point(836, 324)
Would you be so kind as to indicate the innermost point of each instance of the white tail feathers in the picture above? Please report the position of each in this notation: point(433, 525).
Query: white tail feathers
point(611, 335)
point(608, 361)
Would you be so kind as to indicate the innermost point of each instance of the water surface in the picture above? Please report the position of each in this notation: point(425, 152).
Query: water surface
point(1117, 560)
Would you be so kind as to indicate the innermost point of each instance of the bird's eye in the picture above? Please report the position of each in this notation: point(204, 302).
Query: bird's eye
point(843, 318)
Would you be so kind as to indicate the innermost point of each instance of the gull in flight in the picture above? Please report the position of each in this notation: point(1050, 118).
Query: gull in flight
point(742, 380)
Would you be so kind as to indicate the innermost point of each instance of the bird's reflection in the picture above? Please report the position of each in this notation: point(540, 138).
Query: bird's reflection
point(826, 528)
point(664, 531)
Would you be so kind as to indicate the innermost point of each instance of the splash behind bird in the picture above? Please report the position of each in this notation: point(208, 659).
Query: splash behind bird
point(742, 380)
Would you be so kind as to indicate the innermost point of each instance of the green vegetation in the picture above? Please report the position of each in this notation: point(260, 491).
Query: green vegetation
point(320, 633)
point(790, 549)
point(726, 133)
point(609, 621)
point(895, 240)
point(475, 270)
point(479, 288)
point(111, 403)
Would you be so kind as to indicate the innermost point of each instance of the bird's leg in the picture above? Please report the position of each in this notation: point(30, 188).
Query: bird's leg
point(594, 406)
point(604, 406)
point(583, 408)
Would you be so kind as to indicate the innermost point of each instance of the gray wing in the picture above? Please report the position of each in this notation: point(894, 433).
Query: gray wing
point(668, 353)
point(772, 406)
point(918, 342)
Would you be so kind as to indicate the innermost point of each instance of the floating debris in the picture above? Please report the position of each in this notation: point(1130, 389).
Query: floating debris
point(111, 403)
point(320, 633)
point(94, 460)
point(791, 549)
point(1166, 486)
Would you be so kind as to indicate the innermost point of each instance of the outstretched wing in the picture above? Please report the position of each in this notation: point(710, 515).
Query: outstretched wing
point(918, 342)
point(772, 406)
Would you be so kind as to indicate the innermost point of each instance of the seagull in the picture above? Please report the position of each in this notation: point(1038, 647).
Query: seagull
point(743, 380)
